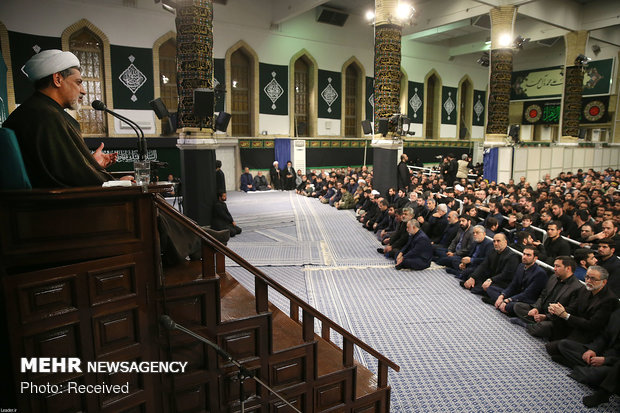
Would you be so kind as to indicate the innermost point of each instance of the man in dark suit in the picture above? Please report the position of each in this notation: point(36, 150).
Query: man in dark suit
point(588, 315)
point(526, 285)
point(417, 253)
point(593, 361)
point(497, 269)
point(562, 288)
point(221, 217)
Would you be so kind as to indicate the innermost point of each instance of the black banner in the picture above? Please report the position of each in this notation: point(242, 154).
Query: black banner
point(448, 105)
point(330, 89)
point(23, 47)
point(415, 102)
point(370, 90)
point(132, 77)
point(480, 103)
point(273, 89)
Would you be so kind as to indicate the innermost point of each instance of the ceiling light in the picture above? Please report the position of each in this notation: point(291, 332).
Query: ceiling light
point(404, 11)
point(505, 40)
point(370, 15)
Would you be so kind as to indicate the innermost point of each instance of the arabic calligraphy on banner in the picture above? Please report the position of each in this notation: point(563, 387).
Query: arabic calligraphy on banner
point(549, 82)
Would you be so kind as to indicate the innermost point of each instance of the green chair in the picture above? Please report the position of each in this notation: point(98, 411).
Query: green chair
point(12, 170)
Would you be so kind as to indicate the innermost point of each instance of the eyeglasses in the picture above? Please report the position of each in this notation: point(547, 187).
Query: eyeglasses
point(589, 277)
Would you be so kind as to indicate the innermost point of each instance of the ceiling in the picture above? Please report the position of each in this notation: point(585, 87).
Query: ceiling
point(464, 26)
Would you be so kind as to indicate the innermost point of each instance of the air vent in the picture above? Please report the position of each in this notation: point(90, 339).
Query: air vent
point(483, 21)
point(331, 16)
point(548, 42)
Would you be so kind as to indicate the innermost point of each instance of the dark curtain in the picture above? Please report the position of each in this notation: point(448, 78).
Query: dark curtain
point(489, 163)
point(282, 151)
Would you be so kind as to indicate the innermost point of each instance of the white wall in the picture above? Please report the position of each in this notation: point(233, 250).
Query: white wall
point(535, 162)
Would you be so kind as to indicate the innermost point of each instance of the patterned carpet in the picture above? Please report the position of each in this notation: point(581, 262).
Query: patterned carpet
point(456, 353)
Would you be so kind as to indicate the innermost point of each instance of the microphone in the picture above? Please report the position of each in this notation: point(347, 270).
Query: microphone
point(167, 322)
point(99, 105)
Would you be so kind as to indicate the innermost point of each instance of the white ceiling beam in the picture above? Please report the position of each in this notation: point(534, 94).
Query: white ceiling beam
point(499, 3)
point(600, 15)
point(283, 10)
point(469, 48)
point(438, 30)
point(536, 30)
point(559, 13)
point(608, 35)
point(439, 13)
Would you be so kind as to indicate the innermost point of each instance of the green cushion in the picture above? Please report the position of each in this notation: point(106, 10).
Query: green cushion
point(12, 170)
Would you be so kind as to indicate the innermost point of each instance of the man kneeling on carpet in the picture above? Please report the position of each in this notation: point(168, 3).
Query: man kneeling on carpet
point(418, 251)
point(222, 218)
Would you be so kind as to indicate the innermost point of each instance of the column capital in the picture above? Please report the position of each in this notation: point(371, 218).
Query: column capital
point(502, 23)
point(385, 11)
point(575, 45)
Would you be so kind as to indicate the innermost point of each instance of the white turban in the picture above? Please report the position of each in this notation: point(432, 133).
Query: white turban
point(48, 62)
point(458, 187)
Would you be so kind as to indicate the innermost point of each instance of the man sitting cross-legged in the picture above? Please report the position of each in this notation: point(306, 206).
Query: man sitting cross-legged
point(416, 254)
point(399, 238)
point(463, 267)
point(526, 285)
point(591, 362)
point(586, 317)
point(497, 269)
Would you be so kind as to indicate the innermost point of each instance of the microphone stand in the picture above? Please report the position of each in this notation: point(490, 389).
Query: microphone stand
point(98, 105)
point(243, 374)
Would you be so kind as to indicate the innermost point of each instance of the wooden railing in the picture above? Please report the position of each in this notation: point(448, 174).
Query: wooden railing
point(262, 282)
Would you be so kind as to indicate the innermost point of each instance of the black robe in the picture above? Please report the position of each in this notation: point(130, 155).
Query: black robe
point(51, 144)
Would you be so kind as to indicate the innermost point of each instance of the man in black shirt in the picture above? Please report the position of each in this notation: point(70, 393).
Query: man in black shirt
point(555, 245)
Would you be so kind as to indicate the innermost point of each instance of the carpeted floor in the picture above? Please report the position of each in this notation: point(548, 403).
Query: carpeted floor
point(456, 353)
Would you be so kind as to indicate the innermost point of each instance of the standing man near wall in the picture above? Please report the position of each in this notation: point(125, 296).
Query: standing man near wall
point(404, 178)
